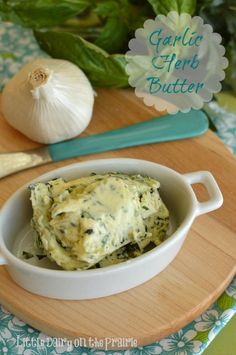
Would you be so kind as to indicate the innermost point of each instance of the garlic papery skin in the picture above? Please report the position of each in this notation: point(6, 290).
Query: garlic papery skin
point(48, 100)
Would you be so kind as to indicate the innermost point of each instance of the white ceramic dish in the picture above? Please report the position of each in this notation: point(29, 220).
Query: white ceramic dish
point(176, 192)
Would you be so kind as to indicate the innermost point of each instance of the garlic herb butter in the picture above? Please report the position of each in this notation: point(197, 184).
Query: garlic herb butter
point(98, 220)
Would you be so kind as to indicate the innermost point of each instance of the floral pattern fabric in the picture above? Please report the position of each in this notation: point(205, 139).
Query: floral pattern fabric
point(16, 337)
point(17, 46)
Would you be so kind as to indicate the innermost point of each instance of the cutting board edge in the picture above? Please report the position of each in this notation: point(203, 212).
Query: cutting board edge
point(146, 339)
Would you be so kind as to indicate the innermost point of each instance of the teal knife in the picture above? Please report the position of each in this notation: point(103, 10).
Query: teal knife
point(156, 130)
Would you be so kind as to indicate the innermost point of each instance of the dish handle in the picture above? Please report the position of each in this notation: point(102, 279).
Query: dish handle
point(206, 178)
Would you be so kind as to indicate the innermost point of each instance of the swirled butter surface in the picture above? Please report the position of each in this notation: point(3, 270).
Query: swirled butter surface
point(98, 220)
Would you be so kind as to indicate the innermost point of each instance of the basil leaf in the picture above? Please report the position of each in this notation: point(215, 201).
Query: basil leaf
point(115, 32)
point(101, 68)
point(221, 15)
point(41, 13)
point(165, 6)
point(231, 70)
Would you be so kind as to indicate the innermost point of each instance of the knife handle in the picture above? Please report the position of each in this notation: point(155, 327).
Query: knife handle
point(11, 163)
point(162, 129)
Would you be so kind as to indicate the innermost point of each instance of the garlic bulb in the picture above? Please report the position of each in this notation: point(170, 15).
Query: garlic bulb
point(49, 100)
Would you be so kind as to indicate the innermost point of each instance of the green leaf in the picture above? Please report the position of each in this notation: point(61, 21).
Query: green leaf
point(41, 13)
point(220, 14)
point(230, 18)
point(225, 302)
point(165, 6)
point(231, 69)
point(101, 68)
point(114, 34)
point(202, 336)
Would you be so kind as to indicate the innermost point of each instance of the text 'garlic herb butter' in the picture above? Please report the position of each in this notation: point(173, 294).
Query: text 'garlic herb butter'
point(98, 220)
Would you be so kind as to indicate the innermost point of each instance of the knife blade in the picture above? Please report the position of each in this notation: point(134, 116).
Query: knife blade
point(156, 130)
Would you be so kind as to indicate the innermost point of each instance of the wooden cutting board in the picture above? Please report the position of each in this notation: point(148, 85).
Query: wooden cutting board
point(193, 281)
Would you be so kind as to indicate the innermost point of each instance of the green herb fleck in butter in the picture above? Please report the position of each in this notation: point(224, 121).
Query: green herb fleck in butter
point(98, 220)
